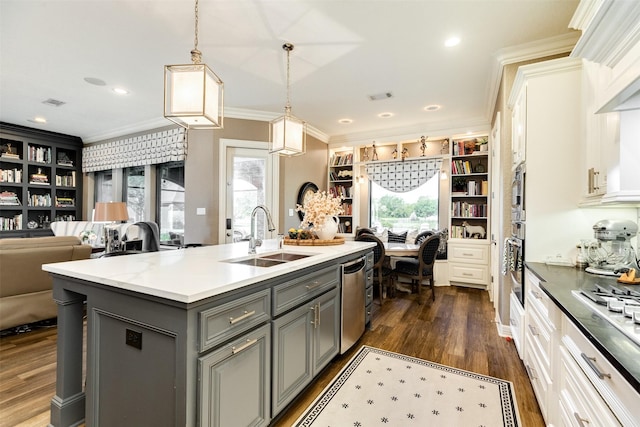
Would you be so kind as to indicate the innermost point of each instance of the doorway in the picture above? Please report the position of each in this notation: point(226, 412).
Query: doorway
point(249, 177)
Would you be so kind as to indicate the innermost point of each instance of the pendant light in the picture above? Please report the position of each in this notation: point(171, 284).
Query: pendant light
point(193, 94)
point(288, 133)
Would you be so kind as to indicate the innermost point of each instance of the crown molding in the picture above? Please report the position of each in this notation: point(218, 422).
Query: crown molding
point(521, 53)
point(538, 69)
point(264, 116)
point(434, 130)
point(611, 32)
point(127, 130)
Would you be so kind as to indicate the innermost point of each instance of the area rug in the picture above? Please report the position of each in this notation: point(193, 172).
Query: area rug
point(382, 388)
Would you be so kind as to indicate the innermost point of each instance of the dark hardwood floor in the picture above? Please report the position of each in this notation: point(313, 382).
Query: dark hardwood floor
point(457, 329)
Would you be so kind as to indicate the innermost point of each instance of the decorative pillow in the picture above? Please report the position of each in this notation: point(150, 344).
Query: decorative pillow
point(411, 236)
point(397, 237)
point(383, 236)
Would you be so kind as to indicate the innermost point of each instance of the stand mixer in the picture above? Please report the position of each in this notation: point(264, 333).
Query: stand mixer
point(613, 254)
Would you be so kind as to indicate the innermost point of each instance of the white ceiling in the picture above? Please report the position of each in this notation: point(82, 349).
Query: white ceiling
point(345, 50)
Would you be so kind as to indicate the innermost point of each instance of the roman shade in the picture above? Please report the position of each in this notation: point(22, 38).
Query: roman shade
point(148, 149)
point(400, 177)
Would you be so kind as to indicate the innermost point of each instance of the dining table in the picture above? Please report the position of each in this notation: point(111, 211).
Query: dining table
point(401, 249)
point(396, 251)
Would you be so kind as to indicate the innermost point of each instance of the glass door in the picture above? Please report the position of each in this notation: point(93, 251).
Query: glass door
point(249, 183)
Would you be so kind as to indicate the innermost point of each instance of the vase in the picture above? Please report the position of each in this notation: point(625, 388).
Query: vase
point(329, 229)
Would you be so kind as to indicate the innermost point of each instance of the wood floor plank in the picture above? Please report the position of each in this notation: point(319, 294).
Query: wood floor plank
point(457, 329)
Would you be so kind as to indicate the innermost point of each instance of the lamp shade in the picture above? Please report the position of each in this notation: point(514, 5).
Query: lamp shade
point(288, 135)
point(193, 96)
point(111, 211)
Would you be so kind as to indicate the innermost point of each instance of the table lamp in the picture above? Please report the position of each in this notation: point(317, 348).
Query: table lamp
point(113, 213)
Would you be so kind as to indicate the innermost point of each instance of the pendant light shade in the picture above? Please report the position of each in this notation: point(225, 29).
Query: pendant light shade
point(288, 133)
point(193, 93)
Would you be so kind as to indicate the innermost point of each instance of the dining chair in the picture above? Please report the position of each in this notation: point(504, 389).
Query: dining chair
point(381, 271)
point(422, 236)
point(419, 269)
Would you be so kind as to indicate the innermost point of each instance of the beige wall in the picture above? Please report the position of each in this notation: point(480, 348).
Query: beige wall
point(202, 181)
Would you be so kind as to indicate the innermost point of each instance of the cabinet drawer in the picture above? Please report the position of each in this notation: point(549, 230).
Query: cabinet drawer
point(473, 254)
point(539, 376)
point(369, 278)
point(370, 259)
point(541, 334)
point(607, 381)
point(469, 273)
point(580, 404)
point(540, 300)
point(298, 291)
point(222, 323)
point(368, 295)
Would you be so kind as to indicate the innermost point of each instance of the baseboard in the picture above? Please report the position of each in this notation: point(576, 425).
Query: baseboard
point(503, 330)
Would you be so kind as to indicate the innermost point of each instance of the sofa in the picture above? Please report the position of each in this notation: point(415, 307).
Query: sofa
point(25, 289)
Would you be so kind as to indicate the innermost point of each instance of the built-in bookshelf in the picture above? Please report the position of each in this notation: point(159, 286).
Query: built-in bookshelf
point(469, 188)
point(341, 180)
point(40, 180)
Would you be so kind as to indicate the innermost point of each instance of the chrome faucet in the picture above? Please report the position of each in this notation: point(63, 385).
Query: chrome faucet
point(253, 241)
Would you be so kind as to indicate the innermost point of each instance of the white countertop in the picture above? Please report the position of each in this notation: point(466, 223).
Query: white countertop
point(192, 274)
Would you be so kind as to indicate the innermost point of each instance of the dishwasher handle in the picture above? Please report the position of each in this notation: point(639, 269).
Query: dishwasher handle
point(354, 266)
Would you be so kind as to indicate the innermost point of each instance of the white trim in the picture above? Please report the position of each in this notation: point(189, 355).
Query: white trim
point(524, 52)
point(273, 187)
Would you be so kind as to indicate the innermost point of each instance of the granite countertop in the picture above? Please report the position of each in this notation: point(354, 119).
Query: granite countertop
point(558, 282)
point(193, 274)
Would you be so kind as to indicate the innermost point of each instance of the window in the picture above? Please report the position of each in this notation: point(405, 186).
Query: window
point(104, 186)
point(170, 210)
point(413, 210)
point(133, 192)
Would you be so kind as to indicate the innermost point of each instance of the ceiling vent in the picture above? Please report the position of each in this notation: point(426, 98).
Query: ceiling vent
point(379, 96)
point(53, 102)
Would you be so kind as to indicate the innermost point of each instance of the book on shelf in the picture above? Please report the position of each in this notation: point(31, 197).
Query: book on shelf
point(13, 176)
point(65, 202)
point(8, 224)
point(39, 154)
point(12, 156)
point(9, 198)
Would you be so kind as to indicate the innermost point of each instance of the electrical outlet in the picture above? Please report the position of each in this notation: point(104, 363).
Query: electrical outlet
point(134, 339)
point(290, 212)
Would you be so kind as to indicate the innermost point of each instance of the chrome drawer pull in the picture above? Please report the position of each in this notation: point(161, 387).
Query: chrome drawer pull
point(536, 294)
point(466, 254)
point(315, 285)
point(244, 316)
point(591, 362)
point(513, 322)
point(532, 372)
point(533, 330)
point(244, 346)
point(467, 274)
point(580, 420)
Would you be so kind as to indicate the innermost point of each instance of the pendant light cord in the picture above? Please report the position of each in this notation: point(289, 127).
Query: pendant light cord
point(196, 55)
point(288, 47)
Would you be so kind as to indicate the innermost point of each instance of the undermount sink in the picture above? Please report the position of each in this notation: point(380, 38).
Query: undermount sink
point(268, 260)
point(257, 262)
point(284, 256)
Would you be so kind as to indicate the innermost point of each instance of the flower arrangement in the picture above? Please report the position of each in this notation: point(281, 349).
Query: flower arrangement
point(318, 207)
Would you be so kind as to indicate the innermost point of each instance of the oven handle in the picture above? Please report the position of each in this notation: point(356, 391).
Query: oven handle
point(514, 242)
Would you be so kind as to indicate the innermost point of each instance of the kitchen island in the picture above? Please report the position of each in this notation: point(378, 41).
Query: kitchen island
point(194, 336)
point(593, 367)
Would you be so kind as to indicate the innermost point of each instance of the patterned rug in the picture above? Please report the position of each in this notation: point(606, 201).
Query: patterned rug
point(381, 388)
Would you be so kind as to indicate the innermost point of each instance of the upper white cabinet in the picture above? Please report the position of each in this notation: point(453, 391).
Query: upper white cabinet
point(610, 46)
point(519, 124)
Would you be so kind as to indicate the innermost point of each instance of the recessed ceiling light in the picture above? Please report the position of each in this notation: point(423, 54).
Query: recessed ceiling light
point(452, 41)
point(120, 91)
point(95, 81)
point(345, 121)
point(385, 115)
point(432, 107)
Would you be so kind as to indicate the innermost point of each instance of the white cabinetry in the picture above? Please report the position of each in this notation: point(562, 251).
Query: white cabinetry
point(541, 343)
point(468, 261)
point(592, 392)
point(611, 41)
point(516, 322)
point(518, 127)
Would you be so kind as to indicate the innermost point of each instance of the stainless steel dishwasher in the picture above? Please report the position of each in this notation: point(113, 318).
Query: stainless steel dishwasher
point(352, 315)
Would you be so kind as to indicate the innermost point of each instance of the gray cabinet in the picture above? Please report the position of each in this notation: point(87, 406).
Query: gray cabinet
point(235, 382)
point(304, 341)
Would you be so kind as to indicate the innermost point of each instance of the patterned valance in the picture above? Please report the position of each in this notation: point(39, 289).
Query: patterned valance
point(401, 177)
point(158, 147)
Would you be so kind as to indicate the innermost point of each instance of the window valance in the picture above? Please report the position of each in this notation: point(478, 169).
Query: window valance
point(158, 147)
point(401, 177)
